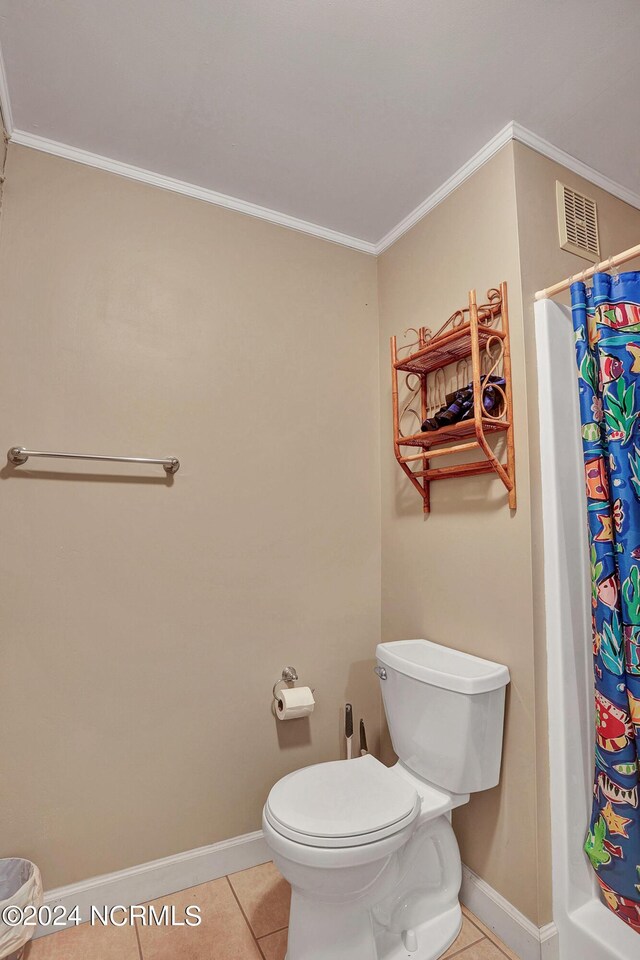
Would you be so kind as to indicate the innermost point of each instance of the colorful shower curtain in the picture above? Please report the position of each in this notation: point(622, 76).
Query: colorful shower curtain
point(606, 321)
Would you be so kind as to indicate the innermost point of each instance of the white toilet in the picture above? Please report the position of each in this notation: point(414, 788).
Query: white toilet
point(369, 851)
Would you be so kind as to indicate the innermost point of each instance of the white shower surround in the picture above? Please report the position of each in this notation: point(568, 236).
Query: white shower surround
point(587, 928)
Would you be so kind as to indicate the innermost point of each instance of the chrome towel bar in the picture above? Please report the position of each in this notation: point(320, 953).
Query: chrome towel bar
point(19, 455)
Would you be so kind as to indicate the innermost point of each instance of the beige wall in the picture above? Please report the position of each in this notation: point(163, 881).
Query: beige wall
point(438, 573)
point(463, 575)
point(140, 322)
point(542, 264)
point(3, 156)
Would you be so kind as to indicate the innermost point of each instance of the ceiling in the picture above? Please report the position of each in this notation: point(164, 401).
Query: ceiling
point(343, 113)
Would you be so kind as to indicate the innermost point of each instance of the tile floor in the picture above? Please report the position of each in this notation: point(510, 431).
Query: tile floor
point(244, 917)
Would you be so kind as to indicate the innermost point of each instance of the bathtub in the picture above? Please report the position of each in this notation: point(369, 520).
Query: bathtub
point(587, 929)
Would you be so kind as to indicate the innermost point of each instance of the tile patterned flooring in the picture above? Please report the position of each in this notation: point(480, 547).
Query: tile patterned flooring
point(244, 917)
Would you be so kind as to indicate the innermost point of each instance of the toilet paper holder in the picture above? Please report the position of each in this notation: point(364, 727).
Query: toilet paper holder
point(289, 675)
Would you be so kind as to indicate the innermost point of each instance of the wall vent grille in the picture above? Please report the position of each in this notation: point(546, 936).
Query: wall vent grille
point(577, 223)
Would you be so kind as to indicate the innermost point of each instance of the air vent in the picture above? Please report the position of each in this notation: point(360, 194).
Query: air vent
point(577, 223)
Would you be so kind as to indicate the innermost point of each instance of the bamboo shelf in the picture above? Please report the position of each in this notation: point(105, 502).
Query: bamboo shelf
point(469, 348)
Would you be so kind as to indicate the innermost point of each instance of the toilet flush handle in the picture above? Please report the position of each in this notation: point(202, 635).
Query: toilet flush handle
point(382, 673)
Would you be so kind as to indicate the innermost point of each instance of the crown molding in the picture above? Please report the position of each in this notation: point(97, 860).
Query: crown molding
point(512, 131)
point(24, 139)
point(530, 139)
point(5, 102)
point(463, 173)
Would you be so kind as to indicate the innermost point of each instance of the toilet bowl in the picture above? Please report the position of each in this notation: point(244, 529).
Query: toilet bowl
point(369, 851)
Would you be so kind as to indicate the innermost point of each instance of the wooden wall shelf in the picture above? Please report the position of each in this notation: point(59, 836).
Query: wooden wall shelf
point(469, 348)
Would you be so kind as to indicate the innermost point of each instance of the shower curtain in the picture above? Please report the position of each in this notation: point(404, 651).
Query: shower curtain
point(606, 321)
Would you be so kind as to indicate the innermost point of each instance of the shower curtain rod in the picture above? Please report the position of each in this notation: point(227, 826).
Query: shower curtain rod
point(609, 264)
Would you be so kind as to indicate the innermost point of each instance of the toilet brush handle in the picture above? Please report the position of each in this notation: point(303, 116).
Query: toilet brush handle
point(364, 750)
point(348, 729)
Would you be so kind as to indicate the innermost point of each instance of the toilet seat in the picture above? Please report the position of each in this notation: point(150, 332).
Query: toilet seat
point(342, 803)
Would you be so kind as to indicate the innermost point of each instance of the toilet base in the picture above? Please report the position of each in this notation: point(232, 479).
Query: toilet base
point(328, 931)
point(403, 906)
point(432, 938)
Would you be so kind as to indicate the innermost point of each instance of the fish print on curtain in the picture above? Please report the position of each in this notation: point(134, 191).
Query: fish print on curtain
point(606, 322)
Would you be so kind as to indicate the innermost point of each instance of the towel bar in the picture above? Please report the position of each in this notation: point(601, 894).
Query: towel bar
point(19, 455)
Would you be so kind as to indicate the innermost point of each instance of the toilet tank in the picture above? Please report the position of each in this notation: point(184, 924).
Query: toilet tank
point(445, 711)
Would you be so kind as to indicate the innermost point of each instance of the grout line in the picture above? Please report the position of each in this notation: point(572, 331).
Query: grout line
point(468, 947)
point(246, 919)
point(279, 930)
point(502, 947)
point(266, 937)
point(135, 927)
point(459, 952)
point(478, 924)
point(489, 935)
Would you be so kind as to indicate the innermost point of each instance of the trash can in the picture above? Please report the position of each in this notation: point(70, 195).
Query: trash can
point(20, 887)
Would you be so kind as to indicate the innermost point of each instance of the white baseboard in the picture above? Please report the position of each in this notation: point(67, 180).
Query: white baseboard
point(549, 942)
point(159, 878)
point(512, 927)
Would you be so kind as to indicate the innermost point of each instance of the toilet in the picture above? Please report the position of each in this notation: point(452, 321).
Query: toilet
point(369, 850)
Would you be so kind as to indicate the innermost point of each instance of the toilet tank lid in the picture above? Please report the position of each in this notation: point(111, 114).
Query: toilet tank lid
point(442, 667)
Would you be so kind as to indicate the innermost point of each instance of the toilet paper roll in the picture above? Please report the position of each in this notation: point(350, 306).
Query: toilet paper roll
point(294, 702)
